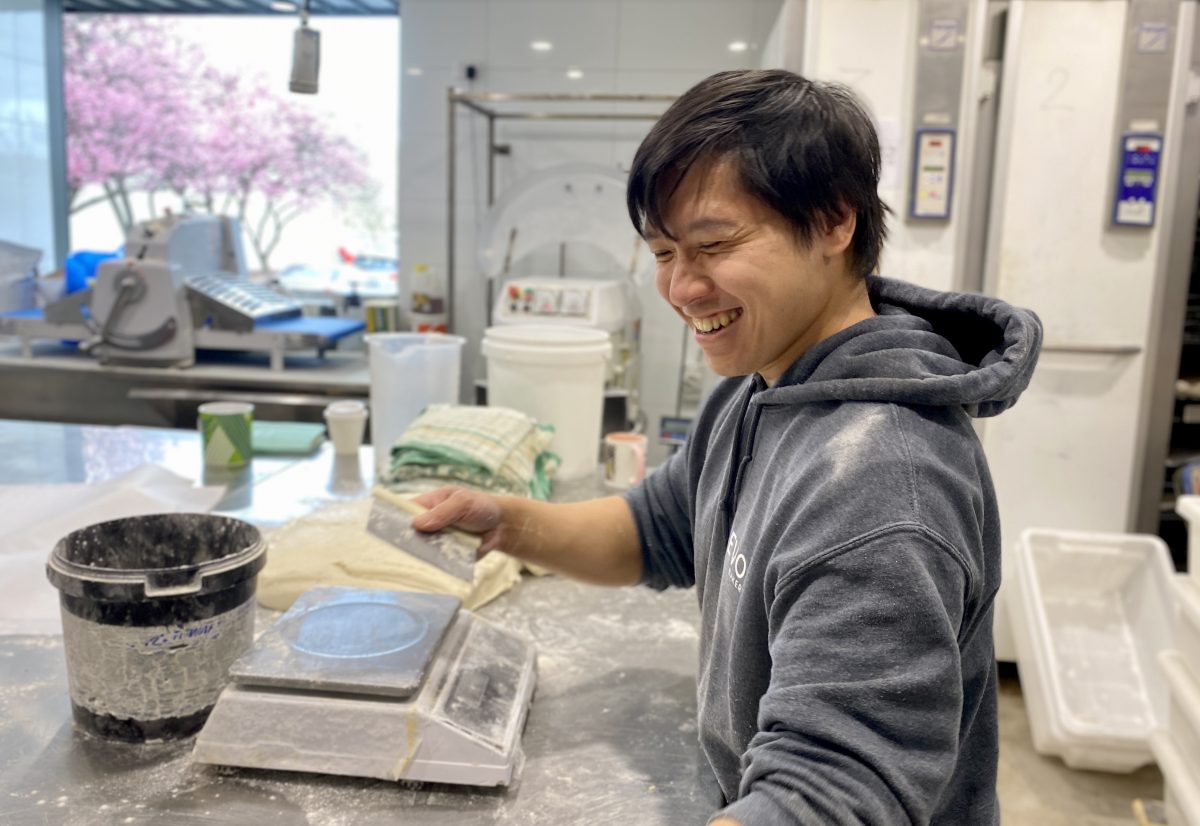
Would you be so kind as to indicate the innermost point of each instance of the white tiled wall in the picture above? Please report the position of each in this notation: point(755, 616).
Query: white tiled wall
point(649, 46)
point(26, 204)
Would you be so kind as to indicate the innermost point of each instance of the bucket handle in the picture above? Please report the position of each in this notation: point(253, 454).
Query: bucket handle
point(169, 585)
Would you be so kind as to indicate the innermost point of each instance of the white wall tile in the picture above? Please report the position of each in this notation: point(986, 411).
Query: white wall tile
point(423, 163)
point(423, 102)
point(661, 81)
point(685, 34)
point(583, 33)
point(766, 12)
point(551, 78)
point(442, 33)
point(422, 166)
point(424, 221)
point(422, 234)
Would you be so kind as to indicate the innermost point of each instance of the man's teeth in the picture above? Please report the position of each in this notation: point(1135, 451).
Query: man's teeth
point(708, 325)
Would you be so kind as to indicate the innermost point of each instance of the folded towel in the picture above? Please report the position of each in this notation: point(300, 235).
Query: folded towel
point(286, 437)
point(489, 448)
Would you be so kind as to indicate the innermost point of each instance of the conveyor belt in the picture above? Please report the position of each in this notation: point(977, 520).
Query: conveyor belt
point(328, 327)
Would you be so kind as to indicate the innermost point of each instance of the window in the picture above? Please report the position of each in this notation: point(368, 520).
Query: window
point(192, 113)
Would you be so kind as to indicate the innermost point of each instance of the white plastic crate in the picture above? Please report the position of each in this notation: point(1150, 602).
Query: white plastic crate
point(1183, 714)
point(1175, 815)
point(1180, 792)
point(1091, 612)
point(1189, 508)
point(1187, 627)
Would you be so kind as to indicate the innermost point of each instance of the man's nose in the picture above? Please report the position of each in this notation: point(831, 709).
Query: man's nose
point(688, 283)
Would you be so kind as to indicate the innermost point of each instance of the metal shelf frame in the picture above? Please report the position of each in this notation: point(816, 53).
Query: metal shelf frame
point(491, 105)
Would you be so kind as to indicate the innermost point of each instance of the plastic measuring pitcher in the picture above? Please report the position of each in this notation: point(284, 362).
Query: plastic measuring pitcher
point(409, 371)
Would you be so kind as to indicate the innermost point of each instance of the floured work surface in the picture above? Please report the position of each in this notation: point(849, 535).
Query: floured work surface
point(377, 683)
point(611, 736)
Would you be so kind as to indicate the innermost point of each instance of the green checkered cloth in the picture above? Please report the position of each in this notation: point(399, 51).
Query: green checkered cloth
point(494, 449)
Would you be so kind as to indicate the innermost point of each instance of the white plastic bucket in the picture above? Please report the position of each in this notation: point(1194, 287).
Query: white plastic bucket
point(409, 371)
point(556, 375)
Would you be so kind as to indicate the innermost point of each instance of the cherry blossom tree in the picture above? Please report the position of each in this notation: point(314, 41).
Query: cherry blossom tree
point(126, 88)
point(145, 112)
point(267, 159)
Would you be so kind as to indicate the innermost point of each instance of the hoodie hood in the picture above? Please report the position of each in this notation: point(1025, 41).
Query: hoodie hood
point(924, 347)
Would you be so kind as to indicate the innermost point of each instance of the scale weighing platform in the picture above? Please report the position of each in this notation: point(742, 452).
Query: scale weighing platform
point(375, 683)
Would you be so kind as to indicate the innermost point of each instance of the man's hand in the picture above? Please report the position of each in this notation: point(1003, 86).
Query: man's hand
point(466, 510)
point(595, 541)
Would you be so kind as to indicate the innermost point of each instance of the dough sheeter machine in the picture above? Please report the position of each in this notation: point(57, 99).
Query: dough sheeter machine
point(182, 287)
point(375, 683)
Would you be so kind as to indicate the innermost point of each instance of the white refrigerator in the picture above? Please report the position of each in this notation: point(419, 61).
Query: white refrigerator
point(1071, 190)
point(1091, 225)
point(927, 70)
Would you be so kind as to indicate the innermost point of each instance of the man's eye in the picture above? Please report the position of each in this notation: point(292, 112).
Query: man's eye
point(712, 246)
point(662, 255)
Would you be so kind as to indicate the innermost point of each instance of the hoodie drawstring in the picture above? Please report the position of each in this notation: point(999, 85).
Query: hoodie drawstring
point(742, 454)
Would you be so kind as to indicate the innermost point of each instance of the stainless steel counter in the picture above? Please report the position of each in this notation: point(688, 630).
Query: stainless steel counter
point(611, 735)
point(60, 384)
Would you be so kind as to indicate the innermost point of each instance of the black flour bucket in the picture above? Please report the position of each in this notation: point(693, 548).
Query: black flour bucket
point(154, 611)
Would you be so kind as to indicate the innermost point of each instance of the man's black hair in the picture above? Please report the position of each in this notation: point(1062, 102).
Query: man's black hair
point(805, 148)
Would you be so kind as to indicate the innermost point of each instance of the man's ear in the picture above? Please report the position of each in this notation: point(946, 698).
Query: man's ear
point(838, 233)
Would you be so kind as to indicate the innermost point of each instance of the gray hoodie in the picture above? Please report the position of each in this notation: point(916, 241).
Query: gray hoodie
point(842, 534)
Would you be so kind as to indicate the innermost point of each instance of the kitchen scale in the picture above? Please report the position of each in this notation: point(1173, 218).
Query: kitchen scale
point(377, 683)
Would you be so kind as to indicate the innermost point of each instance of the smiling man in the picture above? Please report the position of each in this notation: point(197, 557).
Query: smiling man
point(711, 273)
point(833, 507)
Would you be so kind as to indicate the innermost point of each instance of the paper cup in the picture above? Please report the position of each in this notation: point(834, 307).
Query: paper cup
point(346, 422)
point(225, 429)
point(624, 459)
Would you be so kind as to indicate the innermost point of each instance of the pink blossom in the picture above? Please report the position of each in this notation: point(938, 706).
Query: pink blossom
point(147, 112)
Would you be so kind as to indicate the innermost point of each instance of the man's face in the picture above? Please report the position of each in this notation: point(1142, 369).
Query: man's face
point(754, 297)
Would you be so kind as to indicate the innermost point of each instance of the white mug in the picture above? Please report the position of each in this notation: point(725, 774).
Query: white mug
point(624, 459)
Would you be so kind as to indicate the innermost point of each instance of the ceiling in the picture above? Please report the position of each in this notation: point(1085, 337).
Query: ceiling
point(276, 8)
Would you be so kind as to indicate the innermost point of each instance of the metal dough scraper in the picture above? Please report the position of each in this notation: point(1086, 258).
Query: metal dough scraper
point(451, 550)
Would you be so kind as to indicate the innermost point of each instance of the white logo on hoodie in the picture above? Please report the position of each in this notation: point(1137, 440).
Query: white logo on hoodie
point(737, 562)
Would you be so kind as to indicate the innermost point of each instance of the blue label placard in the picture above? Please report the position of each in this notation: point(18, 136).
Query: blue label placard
point(1137, 180)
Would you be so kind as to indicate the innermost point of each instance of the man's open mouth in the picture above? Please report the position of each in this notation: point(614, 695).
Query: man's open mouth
point(713, 323)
